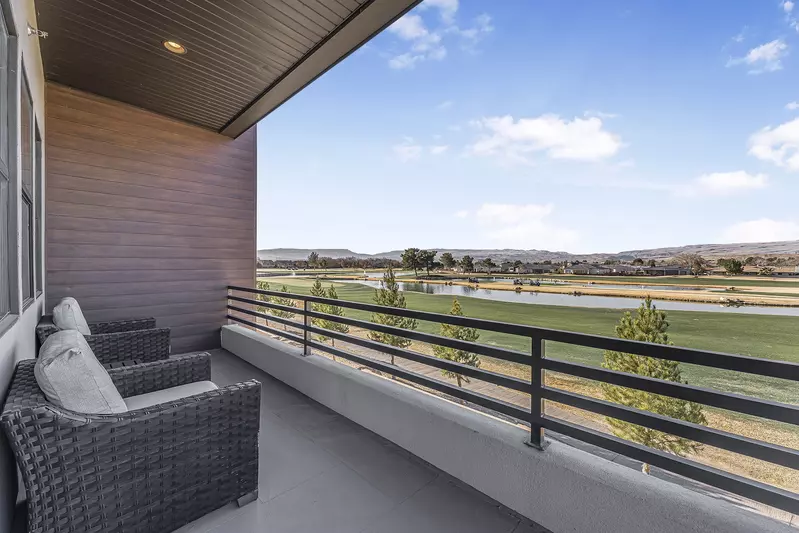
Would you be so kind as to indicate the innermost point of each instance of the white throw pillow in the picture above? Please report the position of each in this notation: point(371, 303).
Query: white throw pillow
point(67, 315)
point(71, 376)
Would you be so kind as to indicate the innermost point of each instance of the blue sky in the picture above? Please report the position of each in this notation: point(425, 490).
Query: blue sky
point(581, 126)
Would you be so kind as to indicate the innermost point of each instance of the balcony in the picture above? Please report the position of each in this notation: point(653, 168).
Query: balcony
point(319, 471)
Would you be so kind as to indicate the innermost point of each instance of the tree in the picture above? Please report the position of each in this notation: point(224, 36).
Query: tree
point(488, 264)
point(461, 333)
point(264, 286)
point(447, 260)
point(426, 259)
point(288, 302)
point(313, 260)
point(517, 265)
point(335, 310)
point(649, 324)
point(389, 295)
point(766, 271)
point(694, 262)
point(410, 260)
point(638, 261)
point(330, 309)
point(652, 263)
point(733, 267)
point(467, 263)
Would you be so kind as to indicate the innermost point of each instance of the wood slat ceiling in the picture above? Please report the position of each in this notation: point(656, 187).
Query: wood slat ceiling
point(238, 51)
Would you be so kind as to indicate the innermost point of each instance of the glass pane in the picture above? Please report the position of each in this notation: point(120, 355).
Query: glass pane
point(5, 306)
point(39, 209)
point(3, 94)
point(27, 245)
point(26, 138)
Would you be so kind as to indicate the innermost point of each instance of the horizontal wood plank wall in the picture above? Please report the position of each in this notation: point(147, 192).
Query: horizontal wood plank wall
point(146, 216)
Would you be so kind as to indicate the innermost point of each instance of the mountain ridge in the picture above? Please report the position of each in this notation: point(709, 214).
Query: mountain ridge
point(533, 255)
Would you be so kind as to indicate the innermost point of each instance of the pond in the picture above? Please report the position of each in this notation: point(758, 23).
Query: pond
point(613, 302)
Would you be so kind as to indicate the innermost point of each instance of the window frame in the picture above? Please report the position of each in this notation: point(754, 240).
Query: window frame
point(38, 193)
point(8, 171)
point(26, 195)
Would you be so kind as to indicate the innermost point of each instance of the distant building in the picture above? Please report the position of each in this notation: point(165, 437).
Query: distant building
point(531, 268)
point(587, 269)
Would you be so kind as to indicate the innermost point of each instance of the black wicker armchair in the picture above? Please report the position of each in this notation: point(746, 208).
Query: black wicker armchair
point(136, 340)
point(146, 471)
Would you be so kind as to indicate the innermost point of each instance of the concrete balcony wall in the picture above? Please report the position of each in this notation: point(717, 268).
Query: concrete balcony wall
point(562, 488)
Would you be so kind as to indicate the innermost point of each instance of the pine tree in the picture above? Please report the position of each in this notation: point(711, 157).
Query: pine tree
point(264, 286)
point(389, 295)
point(649, 324)
point(335, 310)
point(319, 291)
point(283, 301)
point(461, 333)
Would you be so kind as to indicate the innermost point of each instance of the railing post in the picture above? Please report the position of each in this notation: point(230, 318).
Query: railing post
point(306, 350)
point(536, 395)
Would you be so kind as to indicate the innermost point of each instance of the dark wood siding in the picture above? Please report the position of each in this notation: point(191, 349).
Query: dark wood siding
point(146, 216)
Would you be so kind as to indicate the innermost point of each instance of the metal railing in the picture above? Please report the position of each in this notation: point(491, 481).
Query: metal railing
point(537, 361)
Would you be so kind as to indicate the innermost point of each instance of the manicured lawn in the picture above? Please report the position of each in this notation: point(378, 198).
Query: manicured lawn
point(773, 337)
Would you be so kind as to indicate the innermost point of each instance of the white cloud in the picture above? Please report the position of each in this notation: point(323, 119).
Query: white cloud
point(762, 230)
point(524, 226)
point(787, 6)
point(404, 61)
point(778, 145)
point(463, 213)
point(447, 9)
point(408, 150)
point(723, 184)
point(428, 44)
point(599, 114)
point(792, 106)
point(446, 104)
point(438, 149)
point(515, 140)
point(764, 58)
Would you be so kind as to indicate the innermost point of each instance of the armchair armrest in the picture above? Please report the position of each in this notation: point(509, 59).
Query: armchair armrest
point(118, 326)
point(162, 374)
point(192, 456)
point(143, 345)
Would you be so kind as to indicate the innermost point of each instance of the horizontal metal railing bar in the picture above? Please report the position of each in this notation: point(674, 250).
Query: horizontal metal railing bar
point(739, 363)
point(270, 305)
point(765, 451)
point(747, 488)
point(278, 319)
point(482, 349)
point(458, 368)
point(440, 386)
point(725, 400)
point(274, 331)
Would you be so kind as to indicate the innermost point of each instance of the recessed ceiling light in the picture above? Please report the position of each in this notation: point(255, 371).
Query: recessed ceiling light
point(174, 47)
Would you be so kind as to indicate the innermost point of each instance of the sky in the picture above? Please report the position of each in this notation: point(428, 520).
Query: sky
point(580, 126)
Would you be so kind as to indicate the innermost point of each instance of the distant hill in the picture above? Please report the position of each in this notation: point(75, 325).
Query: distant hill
point(705, 250)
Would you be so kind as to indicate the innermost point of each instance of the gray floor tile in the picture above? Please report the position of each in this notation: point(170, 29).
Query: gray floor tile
point(307, 418)
point(210, 521)
point(337, 501)
point(442, 507)
point(287, 458)
point(384, 465)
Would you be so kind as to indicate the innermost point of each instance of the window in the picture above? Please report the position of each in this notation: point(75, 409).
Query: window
point(5, 183)
point(38, 210)
point(26, 207)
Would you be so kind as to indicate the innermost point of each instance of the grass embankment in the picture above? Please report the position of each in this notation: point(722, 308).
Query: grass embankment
point(768, 336)
point(704, 281)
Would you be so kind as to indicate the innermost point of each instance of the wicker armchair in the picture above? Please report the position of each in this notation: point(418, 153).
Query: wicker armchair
point(146, 471)
point(136, 340)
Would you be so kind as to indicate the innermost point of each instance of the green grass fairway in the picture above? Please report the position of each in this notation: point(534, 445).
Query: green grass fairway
point(768, 336)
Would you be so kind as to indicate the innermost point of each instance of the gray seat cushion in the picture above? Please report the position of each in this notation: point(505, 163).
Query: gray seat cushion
point(168, 395)
point(71, 377)
point(68, 315)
